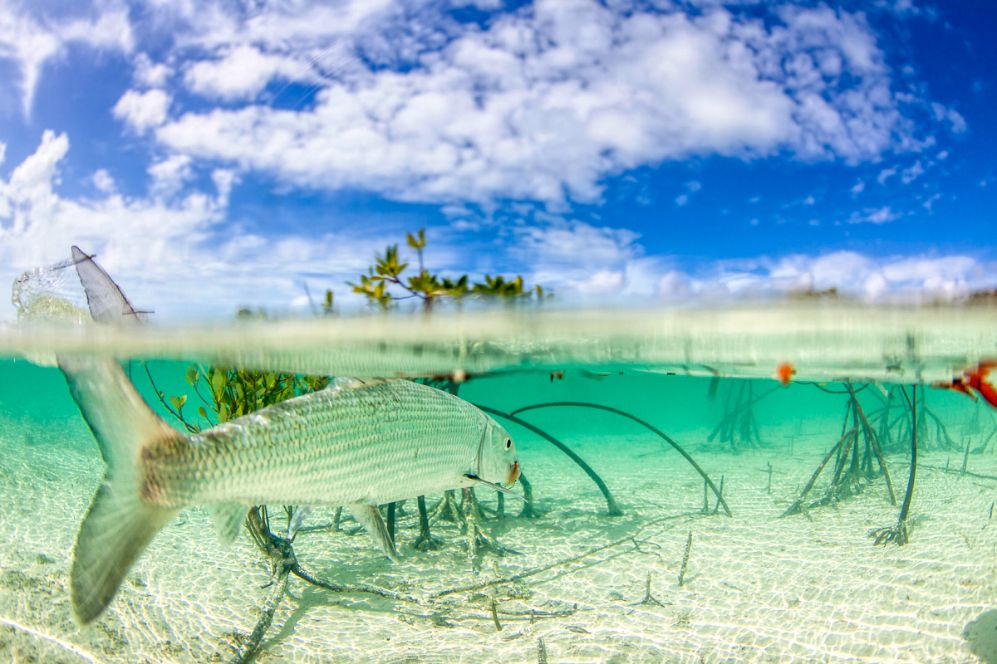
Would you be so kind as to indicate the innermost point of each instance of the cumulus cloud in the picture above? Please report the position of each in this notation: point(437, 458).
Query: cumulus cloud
point(574, 255)
point(167, 249)
point(853, 274)
point(142, 111)
point(557, 254)
point(102, 181)
point(150, 74)
point(170, 174)
point(544, 102)
point(30, 39)
point(242, 73)
point(173, 256)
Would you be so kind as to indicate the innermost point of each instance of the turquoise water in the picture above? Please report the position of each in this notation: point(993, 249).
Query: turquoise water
point(671, 577)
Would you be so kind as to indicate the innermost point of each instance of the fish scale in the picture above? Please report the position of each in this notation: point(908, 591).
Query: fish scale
point(337, 446)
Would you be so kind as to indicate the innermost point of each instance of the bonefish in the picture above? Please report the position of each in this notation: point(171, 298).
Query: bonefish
point(356, 443)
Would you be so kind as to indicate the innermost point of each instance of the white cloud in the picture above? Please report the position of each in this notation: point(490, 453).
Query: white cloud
point(103, 182)
point(174, 257)
point(242, 73)
point(913, 172)
point(885, 175)
point(31, 40)
point(213, 24)
point(169, 175)
point(691, 187)
point(556, 254)
point(852, 274)
point(142, 110)
point(880, 215)
point(858, 187)
point(166, 251)
point(573, 255)
point(603, 282)
point(544, 102)
point(33, 178)
point(956, 122)
point(149, 74)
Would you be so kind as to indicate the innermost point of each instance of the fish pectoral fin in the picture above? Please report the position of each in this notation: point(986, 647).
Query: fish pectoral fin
point(369, 517)
point(228, 519)
point(490, 485)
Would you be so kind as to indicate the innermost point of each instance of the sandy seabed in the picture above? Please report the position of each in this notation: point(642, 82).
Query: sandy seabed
point(757, 587)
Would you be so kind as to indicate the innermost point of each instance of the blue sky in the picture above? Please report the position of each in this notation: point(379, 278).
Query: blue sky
point(223, 153)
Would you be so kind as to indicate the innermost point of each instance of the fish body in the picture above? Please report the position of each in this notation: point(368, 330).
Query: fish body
point(357, 444)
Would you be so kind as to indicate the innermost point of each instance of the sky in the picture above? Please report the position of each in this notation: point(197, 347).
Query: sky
point(222, 153)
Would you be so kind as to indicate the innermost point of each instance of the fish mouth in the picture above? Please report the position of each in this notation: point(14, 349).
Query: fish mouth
point(513, 475)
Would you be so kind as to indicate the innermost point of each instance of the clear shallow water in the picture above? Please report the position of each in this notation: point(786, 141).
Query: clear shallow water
point(757, 585)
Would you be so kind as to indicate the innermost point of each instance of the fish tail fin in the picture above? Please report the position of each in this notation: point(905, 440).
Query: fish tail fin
point(119, 523)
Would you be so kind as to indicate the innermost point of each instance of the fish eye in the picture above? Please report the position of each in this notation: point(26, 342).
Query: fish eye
point(508, 443)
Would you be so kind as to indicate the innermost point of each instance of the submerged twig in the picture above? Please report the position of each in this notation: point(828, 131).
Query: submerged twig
point(495, 618)
point(519, 576)
point(541, 651)
point(612, 507)
point(280, 555)
point(738, 421)
point(685, 559)
point(900, 533)
point(249, 647)
point(720, 496)
point(649, 599)
point(797, 506)
point(857, 453)
point(425, 541)
point(967, 473)
point(873, 442)
point(668, 439)
point(48, 638)
point(528, 511)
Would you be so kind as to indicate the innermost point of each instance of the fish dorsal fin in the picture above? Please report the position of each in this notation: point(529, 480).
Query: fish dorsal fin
point(369, 517)
point(228, 519)
point(107, 302)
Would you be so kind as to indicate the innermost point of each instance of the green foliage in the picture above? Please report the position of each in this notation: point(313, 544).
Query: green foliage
point(387, 281)
point(238, 392)
point(229, 393)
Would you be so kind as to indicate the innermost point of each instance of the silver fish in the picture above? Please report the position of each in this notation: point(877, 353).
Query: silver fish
point(358, 444)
